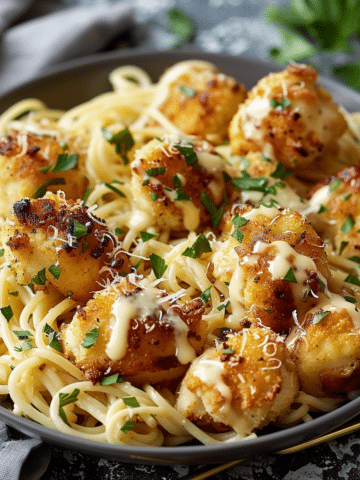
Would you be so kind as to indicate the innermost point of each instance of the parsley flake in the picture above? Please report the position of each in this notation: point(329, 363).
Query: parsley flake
point(55, 271)
point(239, 221)
point(128, 426)
point(115, 189)
point(257, 184)
point(158, 265)
point(40, 277)
point(181, 195)
point(86, 195)
point(122, 140)
point(227, 351)
point(319, 316)
point(322, 208)
point(343, 245)
point(353, 279)
point(189, 154)
point(290, 276)
point(111, 379)
point(348, 224)
point(79, 230)
point(65, 162)
point(53, 338)
point(205, 296)
point(334, 184)
point(40, 192)
point(131, 402)
point(215, 213)
point(223, 305)
point(282, 104)
point(66, 399)
point(91, 338)
point(350, 299)
point(145, 236)
point(200, 246)
point(281, 172)
point(189, 92)
point(238, 235)
point(2, 251)
point(119, 231)
point(355, 259)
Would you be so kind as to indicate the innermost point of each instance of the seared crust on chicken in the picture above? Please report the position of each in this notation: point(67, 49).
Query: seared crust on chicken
point(288, 114)
point(23, 159)
point(199, 100)
point(52, 232)
point(337, 216)
point(245, 382)
point(274, 269)
point(326, 348)
point(171, 196)
point(142, 336)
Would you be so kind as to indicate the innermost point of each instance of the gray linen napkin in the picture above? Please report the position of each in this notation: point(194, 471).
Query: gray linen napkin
point(26, 50)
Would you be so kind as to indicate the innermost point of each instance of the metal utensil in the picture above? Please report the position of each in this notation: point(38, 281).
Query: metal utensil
point(351, 428)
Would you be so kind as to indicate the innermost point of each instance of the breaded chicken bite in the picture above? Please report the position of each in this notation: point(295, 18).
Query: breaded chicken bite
point(170, 177)
point(244, 383)
point(199, 100)
point(58, 241)
point(335, 205)
point(288, 114)
point(140, 333)
point(274, 262)
point(326, 347)
point(27, 161)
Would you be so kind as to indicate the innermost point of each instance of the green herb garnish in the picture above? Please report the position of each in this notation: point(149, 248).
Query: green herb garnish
point(215, 213)
point(40, 192)
point(55, 271)
point(66, 399)
point(319, 316)
point(52, 338)
point(206, 295)
point(290, 276)
point(188, 91)
point(111, 379)
point(189, 154)
point(122, 140)
point(40, 277)
point(200, 246)
point(145, 236)
point(91, 338)
point(158, 265)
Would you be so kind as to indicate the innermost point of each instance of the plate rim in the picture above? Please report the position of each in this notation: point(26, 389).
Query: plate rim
point(183, 454)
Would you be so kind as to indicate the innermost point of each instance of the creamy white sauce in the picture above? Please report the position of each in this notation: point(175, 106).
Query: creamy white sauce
point(123, 311)
point(185, 353)
point(253, 115)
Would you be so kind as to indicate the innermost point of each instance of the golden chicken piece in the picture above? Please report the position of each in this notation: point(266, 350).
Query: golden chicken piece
point(326, 346)
point(245, 382)
point(199, 100)
point(58, 241)
point(169, 178)
point(289, 115)
point(140, 333)
point(275, 264)
point(27, 161)
point(335, 212)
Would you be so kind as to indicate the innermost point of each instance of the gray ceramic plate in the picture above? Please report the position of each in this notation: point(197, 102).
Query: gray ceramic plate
point(80, 80)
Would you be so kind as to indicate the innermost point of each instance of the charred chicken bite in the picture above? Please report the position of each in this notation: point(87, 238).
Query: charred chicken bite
point(244, 382)
point(168, 177)
point(199, 100)
point(275, 264)
point(28, 161)
point(142, 335)
point(289, 117)
point(53, 240)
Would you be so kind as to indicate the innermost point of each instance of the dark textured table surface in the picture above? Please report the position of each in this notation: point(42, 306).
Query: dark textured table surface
point(236, 27)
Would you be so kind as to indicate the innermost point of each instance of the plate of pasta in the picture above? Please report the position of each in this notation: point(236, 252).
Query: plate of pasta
point(179, 256)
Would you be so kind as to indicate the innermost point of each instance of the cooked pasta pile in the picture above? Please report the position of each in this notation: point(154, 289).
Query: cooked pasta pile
point(180, 259)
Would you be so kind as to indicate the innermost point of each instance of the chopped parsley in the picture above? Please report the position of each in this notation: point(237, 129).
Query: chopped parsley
point(290, 276)
point(111, 379)
point(343, 245)
point(53, 338)
point(145, 236)
point(79, 230)
point(281, 172)
point(66, 399)
point(189, 92)
point(86, 195)
point(322, 208)
point(189, 154)
point(158, 265)
point(223, 305)
point(137, 265)
point(284, 103)
point(264, 158)
point(353, 279)
point(2, 252)
point(215, 213)
point(154, 197)
point(245, 183)
point(238, 235)
point(346, 197)
point(205, 296)
point(7, 312)
point(122, 140)
point(91, 338)
point(65, 162)
point(119, 231)
point(181, 195)
point(176, 181)
point(334, 184)
point(239, 221)
point(350, 299)
point(200, 246)
point(348, 224)
point(22, 334)
point(227, 351)
point(319, 316)
point(128, 426)
point(181, 25)
point(115, 189)
point(131, 402)
point(355, 259)
point(55, 271)
point(40, 277)
point(40, 192)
